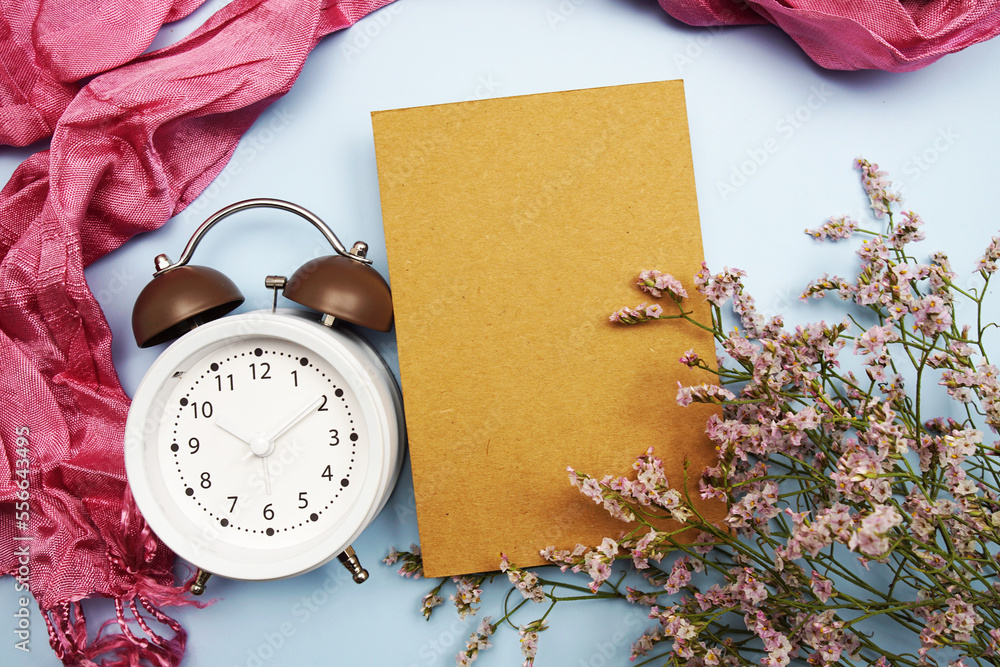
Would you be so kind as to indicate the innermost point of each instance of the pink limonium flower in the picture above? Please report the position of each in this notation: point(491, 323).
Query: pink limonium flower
point(871, 536)
point(597, 563)
point(877, 186)
point(908, 230)
point(718, 288)
point(988, 262)
point(528, 636)
point(834, 229)
point(750, 588)
point(959, 445)
point(874, 340)
point(827, 635)
point(680, 575)
point(478, 641)
point(757, 506)
point(821, 586)
point(641, 313)
point(411, 562)
point(602, 493)
point(646, 641)
point(428, 603)
point(656, 283)
point(467, 592)
point(690, 358)
point(931, 315)
point(818, 288)
point(643, 550)
point(525, 582)
point(650, 487)
point(703, 393)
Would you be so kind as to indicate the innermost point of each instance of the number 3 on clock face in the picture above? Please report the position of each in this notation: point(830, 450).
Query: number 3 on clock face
point(259, 446)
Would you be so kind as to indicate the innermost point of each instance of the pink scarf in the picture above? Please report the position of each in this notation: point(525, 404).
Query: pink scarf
point(893, 35)
point(132, 148)
point(129, 150)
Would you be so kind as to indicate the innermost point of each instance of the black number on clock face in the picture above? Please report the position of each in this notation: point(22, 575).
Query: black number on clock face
point(264, 373)
point(204, 411)
point(244, 482)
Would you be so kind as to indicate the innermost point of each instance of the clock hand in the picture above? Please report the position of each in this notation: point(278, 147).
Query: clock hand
point(282, 428)
point(234, 428)
point(263, 445)
point(267, 472)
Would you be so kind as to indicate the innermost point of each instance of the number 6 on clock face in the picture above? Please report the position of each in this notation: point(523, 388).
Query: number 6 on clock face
point(259, 446)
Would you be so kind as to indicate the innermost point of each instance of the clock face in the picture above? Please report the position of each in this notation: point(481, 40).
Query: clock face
point(259, 446)
point(263, 438)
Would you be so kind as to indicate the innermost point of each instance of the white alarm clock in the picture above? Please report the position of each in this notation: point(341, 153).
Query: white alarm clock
point(259, 446)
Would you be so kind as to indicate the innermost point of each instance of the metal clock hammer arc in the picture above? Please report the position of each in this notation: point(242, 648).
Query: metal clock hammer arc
point(163, 263)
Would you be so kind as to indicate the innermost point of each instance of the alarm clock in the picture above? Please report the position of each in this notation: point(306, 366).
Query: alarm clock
point(259, 446)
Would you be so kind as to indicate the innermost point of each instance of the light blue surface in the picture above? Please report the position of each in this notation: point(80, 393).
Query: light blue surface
point(773, 138)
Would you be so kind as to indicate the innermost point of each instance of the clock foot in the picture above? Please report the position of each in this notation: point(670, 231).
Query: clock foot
point(198, 585)
point(350, 560)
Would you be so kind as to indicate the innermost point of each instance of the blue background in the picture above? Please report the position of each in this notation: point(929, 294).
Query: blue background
point(773, 137)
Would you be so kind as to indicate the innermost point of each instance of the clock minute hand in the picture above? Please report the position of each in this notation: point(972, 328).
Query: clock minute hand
point(284, 426)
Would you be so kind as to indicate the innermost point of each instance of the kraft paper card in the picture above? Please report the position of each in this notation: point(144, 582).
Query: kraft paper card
point(514, 228)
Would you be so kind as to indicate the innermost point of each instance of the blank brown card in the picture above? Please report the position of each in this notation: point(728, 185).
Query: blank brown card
point(514, 228)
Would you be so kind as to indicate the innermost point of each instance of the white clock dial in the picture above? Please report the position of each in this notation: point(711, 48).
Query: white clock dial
point(259, 446)
point(263, 440)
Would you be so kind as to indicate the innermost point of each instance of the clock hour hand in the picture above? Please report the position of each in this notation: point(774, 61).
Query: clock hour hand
point(288, 423)
point(235, 428)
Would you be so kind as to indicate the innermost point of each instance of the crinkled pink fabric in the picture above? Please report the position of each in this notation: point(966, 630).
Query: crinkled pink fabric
point(893, 35)
point(130, 149)
point(47, 47)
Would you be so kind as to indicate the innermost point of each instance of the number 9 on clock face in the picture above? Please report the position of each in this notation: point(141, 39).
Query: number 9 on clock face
point(259, 446)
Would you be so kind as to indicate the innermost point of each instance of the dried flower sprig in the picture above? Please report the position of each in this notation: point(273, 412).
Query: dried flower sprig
point(862, 524)
point(411, 563)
